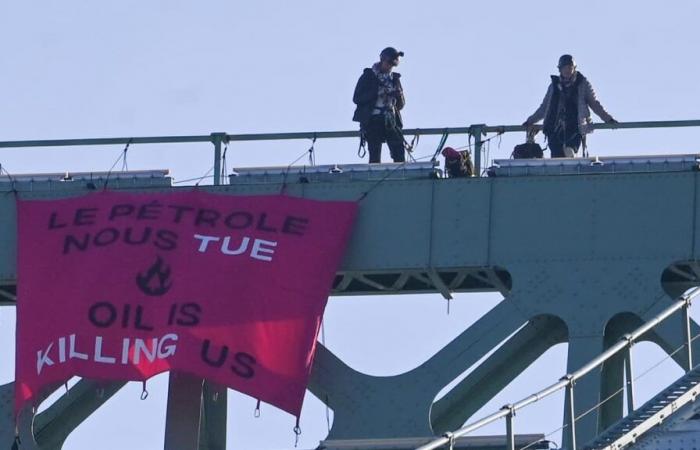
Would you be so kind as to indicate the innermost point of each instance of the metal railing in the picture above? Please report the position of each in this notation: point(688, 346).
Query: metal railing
point(569, 380)
point(476, 132)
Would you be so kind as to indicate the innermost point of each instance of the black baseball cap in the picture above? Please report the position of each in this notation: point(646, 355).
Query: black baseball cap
point(390, 53)
point(566, 60)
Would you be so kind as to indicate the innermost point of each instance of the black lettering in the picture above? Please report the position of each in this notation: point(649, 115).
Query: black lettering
point(166, 240)
point(179, 210)
point(74, 242)
point(95, 313)
point(137, 320)
point(208, 216)
point(171, 314)
point(85, 216)
point(190, 313)
point(244, 367)
point(106, 237)
point(121, 211)
point(261, 224)
point(128, 238)
point(295, 225)
point(149, 211)
point(126, 315)
point(239, 220)
point(205, 355)
point(53, 224)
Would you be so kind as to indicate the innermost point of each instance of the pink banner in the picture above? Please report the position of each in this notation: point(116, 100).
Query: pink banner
point(117, 286)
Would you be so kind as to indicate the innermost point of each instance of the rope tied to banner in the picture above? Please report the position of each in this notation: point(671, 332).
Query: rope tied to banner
point(297, 433)
point(327, 402)
point(13, 187)
point(283, 189)
point(224, 168)
point(312, 155)
point(144, 392)
point(125, 164)
point(122, 157)
point(390, 173)
point(256, 413)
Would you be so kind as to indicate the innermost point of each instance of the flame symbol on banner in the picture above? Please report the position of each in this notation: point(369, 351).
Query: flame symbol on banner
point(156, 280)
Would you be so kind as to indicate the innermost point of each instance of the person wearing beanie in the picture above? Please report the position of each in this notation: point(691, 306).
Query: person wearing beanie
point(565, 110)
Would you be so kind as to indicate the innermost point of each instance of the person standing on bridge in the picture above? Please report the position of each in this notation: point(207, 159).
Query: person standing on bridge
point(379, 98)
point(565, 110)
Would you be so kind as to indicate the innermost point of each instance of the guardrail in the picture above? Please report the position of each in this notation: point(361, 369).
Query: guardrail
point(569, 380)
point(477, 132)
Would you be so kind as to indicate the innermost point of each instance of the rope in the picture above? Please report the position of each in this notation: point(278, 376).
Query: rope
point(312, 156)
point(323, 342)
point(443, 140)
point(122, 157)
point(383, 179)
point(286, 172)
point(13, 186)
point(144, 392)
point(361, 149)
point(297, 433)
point(190, 179)
point(224, 169)
point(412, 146)
point(125, 164)
point(206, 175)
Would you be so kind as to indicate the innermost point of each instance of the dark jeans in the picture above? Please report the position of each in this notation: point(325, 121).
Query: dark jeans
point(557, 143)
point(379, 130)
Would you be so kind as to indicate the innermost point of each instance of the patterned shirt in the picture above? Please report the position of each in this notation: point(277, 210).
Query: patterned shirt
point(386, 101)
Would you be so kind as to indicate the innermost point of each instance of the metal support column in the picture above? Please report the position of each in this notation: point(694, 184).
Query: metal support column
point(477, 131)
point(213, 426)
point(510, 435)
point(183, 417)
point(215, 396)
point(217, 139)
point(572, 413)
point(196, 415)
point(629, 379)
point(688, 336)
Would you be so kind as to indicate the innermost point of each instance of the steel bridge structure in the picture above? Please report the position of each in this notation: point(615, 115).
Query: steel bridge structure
point(582, 257)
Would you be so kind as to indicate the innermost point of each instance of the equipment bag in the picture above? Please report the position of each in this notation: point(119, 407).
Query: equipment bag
point(458, 163)
point(528, 150)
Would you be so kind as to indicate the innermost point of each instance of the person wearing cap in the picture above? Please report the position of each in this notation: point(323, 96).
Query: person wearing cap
point(379, 98)
point(565, 110)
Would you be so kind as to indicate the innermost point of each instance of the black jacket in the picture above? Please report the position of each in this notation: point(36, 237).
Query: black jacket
point(366, 93)
point(550, 120)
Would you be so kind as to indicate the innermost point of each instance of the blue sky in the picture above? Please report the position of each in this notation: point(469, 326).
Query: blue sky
point(131, 68)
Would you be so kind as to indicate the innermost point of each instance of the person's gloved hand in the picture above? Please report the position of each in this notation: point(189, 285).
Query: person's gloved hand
point(527, 123)
point(612, 120)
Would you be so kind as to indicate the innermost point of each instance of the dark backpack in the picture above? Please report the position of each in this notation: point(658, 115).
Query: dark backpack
point(458, 164)
point(528, 150)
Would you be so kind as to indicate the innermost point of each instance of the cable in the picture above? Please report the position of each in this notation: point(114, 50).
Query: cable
point(206, 175)
point(12, 180)
point(224, 169)
point(187, 180)
point(312, 155)
point(122, 155)
point(391, 172)
point(125, 164)
point(286, 172)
